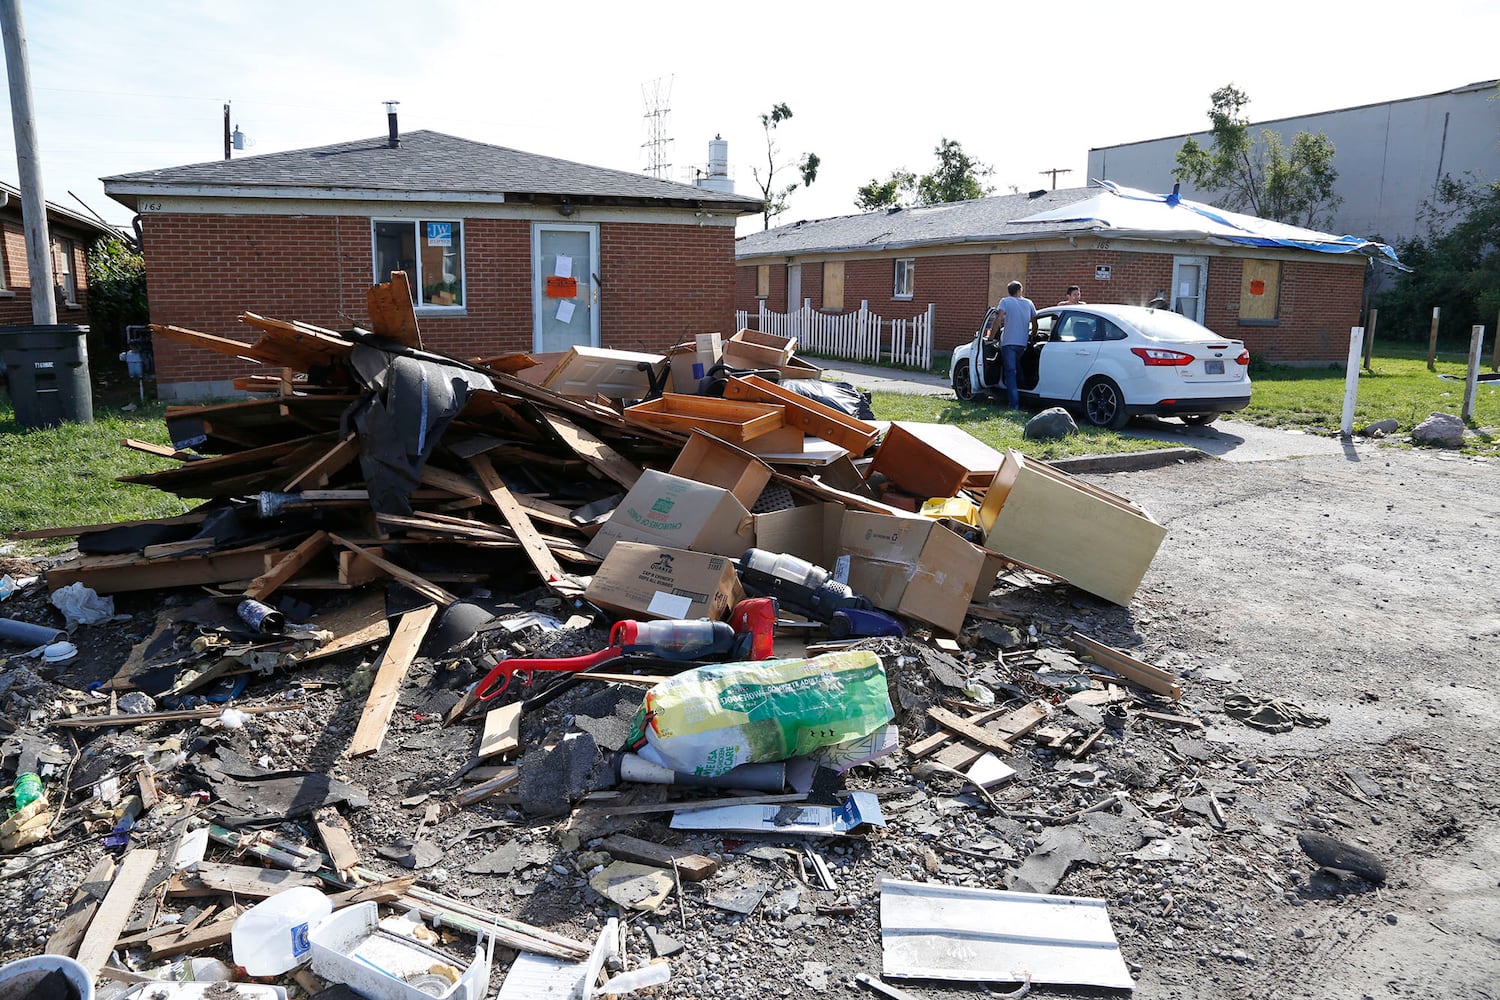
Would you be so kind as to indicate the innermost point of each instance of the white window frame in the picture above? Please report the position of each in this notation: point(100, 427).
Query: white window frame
point(424, 309)
point(67, 272)
point(903, 277)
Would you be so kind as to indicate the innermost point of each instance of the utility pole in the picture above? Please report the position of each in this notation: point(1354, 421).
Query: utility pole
point(1054, 172)
point(28, 166)
point(226, 131)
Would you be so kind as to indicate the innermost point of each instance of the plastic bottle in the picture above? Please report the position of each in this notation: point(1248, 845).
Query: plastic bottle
point(28, 789)
point(271, 937)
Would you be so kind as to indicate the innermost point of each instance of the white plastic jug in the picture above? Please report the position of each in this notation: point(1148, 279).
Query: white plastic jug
point(272, 936)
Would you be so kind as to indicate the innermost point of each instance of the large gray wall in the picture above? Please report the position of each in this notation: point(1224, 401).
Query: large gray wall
point(1389, 156)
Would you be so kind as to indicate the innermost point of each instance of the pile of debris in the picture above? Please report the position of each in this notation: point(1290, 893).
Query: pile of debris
point(747, 625)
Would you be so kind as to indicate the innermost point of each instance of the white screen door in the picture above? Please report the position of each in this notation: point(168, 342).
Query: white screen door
point(1189, 285)
point(793, 287)
point(564, 297)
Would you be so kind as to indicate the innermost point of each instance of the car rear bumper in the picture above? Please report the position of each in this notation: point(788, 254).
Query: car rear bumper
point(1202, 404)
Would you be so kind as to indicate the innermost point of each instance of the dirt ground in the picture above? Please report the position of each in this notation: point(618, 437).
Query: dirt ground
point(1362, 590)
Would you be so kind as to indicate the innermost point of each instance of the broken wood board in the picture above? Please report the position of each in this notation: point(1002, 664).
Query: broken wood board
point(359, 624)
point(390, 672)
point(211, 878)
point(114, 912)
point(177, 715)
point(392, 314)
point(287, 566)
point(502, 732)
point(75, 919)
point(968, 731)
point(422, 586)
point(333, 830)
point(594, 451)
point(333, 461)
point(116, 574)
point(692, 867)
point(1136, 671)
point(198, 939)
point(520, 522)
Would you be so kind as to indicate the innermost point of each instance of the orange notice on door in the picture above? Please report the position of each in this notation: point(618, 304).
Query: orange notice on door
point(561, 288)
point(1257, 286)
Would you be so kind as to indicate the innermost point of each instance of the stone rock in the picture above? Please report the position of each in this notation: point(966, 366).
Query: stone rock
point(1339, 856)
point(1050, 424)
point(1441, 430)
point(1379, 429)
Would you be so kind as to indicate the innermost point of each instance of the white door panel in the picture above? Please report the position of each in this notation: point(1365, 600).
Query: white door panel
point(565, 310)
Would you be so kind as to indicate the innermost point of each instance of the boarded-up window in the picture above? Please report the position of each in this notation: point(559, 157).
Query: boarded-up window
point(833, 285)
point(1260, 291)
point(1005, 268)
point(763, 281)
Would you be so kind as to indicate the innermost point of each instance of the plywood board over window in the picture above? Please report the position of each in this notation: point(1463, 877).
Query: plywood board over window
point(1260, 292)
point(1005, 268)
point(833, 285)
point(763, 281)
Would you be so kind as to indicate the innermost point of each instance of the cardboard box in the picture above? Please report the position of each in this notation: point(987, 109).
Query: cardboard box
point(725, 419)
point(1096, 540)
point(912, 566)
point(691, 362)
point(933, 460)
point(651, 581)
point(810, 532)
point(756, 350)
point(706, 459)
point(667, 510)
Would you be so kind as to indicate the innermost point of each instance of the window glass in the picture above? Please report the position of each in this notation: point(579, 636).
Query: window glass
point(431, 254)
point(1078, 327)
point(1113, 332)
point(67, 280)
point(905, 278)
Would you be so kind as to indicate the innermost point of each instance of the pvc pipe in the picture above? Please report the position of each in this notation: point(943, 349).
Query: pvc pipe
point(1351, 379)
point(28, 634)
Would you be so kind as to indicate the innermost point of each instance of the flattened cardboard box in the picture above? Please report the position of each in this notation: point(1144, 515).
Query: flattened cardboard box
point(912, 566)
point(651, 581)
point(667, 510)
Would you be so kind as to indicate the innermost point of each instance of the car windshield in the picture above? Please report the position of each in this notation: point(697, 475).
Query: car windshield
point(1159, 324)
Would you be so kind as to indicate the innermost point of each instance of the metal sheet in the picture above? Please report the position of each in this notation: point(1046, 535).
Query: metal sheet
point(931, 931)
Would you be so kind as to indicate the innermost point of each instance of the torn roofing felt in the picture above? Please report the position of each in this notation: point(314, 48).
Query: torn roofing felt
point(247, 795)
point(413, 398)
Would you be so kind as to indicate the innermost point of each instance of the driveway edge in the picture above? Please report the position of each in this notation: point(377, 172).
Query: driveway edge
point(1129, 461)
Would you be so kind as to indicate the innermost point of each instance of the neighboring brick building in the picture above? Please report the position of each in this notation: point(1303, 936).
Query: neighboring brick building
point(1285, 303)
point(634, 262)
point(71, 234)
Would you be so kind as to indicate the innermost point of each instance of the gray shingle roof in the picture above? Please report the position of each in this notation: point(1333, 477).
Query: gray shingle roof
point(980, 220)
point(428, 162)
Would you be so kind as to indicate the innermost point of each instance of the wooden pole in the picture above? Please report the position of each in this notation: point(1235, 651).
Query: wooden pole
point(1495, 351)
point(1351, 379)
point(1432, 340)
point(1471, 382)
point(28, 167)
point(1370, 338)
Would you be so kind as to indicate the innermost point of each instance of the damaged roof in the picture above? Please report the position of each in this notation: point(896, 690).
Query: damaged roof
point(425, 164)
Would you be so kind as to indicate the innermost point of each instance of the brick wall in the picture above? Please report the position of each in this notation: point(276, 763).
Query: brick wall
point(1320, 300)
point(15, 310)
point(660, 283)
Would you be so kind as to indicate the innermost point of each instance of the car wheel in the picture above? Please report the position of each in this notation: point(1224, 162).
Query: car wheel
point(1103, 405)
point(1198, 419)
point(963, 385)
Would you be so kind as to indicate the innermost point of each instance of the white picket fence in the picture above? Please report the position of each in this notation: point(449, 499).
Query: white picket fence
point(854, 336)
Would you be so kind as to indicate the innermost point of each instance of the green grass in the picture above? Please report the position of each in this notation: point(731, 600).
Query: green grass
point(65, 475)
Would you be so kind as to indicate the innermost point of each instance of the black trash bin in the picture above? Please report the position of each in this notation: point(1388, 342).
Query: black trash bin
point(47, 369)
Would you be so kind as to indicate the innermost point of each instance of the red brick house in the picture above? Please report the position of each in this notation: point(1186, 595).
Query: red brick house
point(505, 250)
point(71, 234)
point(1286, 303)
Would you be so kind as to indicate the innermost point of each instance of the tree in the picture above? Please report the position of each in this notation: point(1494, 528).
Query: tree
point(117, 290)
point(807, 167)
point(1456, 265)
point(958, 177)
point(896, 191)
point(1267, 178)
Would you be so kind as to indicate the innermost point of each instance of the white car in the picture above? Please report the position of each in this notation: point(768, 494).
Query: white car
point(1114, 362)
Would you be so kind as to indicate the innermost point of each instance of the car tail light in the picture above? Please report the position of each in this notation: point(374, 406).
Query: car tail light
point(1154, 356)
point(1243, 359)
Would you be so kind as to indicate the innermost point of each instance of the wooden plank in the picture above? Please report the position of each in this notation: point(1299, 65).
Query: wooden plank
point(974, 734)
point(114, 912)
point(287, 566)
point(75, 919)
point(391, 312)
point(355, 571)
point(520, 522)
point(212, 878)
point(142, 718)
point(333, 461)
point(357, 625)
point(200, 938)
point(502, 732)
point(66, 530)
point(509, 777)
point(145, 783)
point(333, 829)
point(1136, 671)
point(390, 672)
point(692, 867)
point(424, 587)
point(222, 345)
point(931, 744)
point(593, 451)
point(152, 448)
point(1185, 721)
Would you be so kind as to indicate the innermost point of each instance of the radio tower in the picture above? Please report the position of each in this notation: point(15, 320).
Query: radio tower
point(658, 95)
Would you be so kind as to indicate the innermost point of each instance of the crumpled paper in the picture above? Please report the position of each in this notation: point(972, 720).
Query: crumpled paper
point(82, 606)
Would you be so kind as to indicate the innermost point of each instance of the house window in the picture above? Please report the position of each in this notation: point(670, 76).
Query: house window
point(833, 285)
point(66, 277)
point(763, 281)
point(431, 254)
point(906, 272)
point(1260, 293)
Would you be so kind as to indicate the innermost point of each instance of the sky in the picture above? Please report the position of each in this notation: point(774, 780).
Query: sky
point(1024, 87)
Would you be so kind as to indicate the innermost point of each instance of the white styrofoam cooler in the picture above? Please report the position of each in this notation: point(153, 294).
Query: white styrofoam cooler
point(350, 947)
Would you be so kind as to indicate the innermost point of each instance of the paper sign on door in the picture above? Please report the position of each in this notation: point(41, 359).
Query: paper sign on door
point(565, 311)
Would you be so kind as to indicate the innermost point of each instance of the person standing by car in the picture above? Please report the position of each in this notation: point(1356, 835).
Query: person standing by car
point(1019, 325)
point(1074, 297)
